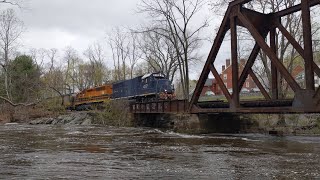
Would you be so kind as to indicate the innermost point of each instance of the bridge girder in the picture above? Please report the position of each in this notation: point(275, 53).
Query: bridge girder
point(260, 26)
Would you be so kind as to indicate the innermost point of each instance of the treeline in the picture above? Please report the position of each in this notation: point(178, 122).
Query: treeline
point(170, 42)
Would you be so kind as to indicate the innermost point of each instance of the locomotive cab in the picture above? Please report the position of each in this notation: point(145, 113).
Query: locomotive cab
point(158, 85)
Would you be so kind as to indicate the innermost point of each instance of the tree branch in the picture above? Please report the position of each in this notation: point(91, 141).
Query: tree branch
point(19, 104)
point(10, 2)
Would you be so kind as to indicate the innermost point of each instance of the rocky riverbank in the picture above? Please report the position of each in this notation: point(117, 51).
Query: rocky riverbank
point(216, 123)
point(74, 118)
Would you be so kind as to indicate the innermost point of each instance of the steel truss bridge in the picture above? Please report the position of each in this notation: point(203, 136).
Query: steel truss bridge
point(261, 26)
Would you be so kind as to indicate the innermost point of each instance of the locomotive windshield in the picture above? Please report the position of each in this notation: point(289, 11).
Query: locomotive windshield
point(159, 76)
point(164, 85)
point(155, 75)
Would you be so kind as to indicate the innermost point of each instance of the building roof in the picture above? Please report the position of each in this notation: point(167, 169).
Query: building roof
point(241, 62)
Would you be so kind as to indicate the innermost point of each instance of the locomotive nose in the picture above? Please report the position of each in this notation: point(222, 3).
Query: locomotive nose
point(168, 91)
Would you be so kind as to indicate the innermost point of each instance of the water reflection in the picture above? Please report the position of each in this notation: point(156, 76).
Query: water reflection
point(75, 152)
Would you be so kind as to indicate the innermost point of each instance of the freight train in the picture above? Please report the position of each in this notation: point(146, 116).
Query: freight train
point(150, 87)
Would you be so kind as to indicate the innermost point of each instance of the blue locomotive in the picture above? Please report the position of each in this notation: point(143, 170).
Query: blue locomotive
point(150, 87)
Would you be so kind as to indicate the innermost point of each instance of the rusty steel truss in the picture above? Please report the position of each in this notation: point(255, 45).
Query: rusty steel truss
point(261, 26)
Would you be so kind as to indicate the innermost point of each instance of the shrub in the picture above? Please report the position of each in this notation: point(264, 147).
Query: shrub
point(115, 113)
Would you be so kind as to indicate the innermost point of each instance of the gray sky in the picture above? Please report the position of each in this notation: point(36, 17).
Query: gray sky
point(80, 23)
point(76, 23)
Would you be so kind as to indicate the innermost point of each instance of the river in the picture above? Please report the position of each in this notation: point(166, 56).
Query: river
point(92, 152)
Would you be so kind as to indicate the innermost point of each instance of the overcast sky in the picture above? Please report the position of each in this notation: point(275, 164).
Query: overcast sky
point(76, 23)
point(80, 23)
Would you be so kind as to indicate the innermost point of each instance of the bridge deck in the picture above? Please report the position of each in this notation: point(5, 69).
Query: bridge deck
point(181, 106)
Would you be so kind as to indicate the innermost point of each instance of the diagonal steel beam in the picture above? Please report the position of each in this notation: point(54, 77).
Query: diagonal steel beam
point(296, 45)
point(294, 9)
point(260, 86)
point(274, 59)
point(220, 83)
point(211, 58)
point(249, 64)
point(263, 22)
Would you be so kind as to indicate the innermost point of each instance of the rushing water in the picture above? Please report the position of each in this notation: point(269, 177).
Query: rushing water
point(89, 152)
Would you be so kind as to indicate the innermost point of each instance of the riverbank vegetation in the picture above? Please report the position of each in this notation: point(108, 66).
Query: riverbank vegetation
point(286, 124)
point(114, 113)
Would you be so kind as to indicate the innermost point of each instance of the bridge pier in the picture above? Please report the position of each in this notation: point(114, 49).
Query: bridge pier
point(304, 99)
point(154, 120)
point(195, 123)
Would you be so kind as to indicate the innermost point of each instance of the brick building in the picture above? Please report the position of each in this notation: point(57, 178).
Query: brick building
point(226, 76)
point(212, 88)
point(299, 75)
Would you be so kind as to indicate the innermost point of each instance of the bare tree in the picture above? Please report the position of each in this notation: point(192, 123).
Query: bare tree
point(53, 76)
point(143, 68)
point(39, 56)
point(13, 2)
point(95, 55)
point(119, 44)
point(71, 59)
point(172, 19)
point(135, 52)
point(159, 53)
point(52, 55)
point(11, 29)
point(54, 80)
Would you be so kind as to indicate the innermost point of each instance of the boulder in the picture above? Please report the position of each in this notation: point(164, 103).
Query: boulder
point(78, 118)
point(37, 121)
point(87, 121)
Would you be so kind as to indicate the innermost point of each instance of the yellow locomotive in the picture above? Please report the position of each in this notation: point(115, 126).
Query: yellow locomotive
point(86, 98)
